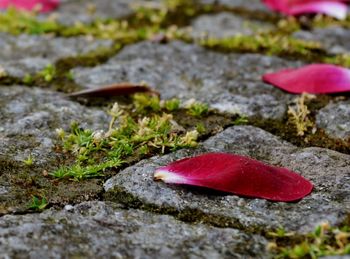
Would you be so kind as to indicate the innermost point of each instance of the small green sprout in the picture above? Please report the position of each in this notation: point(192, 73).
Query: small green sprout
point(197, 109)
point(28, 79)
point(144, 102)
point(29, 161)
point(200, 128)
point(70, 75)
point(38, 204)
point(241, 120)
point(172, 104)
point(48, 73)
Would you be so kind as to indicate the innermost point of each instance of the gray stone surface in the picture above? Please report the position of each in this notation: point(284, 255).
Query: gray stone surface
point(230, 83)
point(252, 5)
point(28, 54)
point(224, 25)
point(335, 119)
point(29, 117)
point(336, 40)
point(328, 170)
point(86, 11)
point(98, 230)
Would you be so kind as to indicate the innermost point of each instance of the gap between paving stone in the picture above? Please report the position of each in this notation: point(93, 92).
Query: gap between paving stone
point(328, 170)
point(29, 54)
point(28, 119)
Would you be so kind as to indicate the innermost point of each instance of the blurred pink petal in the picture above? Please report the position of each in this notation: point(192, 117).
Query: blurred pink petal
point(29, 5)
point(315, 79)
point(238, 175)
point(334, 8)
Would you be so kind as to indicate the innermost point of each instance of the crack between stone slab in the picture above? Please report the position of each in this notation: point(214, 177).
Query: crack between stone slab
point(187, 215)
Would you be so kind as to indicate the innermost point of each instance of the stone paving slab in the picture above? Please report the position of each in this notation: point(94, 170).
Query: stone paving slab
point(228, 82)
point(328, 170)
point(100, 230)
point(29, 54)
point(86, 11)
point(336, 40)
point(29, 117)
point(335, 120)
point(252, 5)
point(225, 25)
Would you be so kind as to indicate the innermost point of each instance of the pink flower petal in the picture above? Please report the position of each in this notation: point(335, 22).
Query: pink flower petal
point(334, 8)
point(315, 79)
point(238, 175)
point(29, 5)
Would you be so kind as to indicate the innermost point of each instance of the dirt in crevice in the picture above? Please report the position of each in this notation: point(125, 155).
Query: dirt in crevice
point(287, 130)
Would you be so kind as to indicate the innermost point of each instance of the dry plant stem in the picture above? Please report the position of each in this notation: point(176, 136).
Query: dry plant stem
point(299, 114)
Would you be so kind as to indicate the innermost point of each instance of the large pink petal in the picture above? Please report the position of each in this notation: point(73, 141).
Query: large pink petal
point(315, 79)
point(330, 8)
point(335, 8)
point(238, 175)
point(276, 5)
point(29, 5)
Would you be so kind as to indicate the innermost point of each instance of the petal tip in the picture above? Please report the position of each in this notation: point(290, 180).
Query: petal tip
point(168, 177)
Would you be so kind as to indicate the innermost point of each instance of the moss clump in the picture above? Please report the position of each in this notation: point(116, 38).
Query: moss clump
point(323, 241)
point(96, 151)
point(271, 44)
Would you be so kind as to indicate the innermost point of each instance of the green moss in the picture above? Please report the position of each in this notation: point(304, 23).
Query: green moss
point(38, 204)
point(270, 44)
point(323, 241)
point(97, 151)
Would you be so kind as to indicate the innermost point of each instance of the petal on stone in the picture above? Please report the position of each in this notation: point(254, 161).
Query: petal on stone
point(29, 5)
point(115, 90)
point(334, 8)
point(238, 175)
point(314, 79)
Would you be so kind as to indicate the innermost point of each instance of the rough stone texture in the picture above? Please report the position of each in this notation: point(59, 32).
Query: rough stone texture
point(97, 230)
point(29, 117)
point(225, 25)
point(328, 170)
point(86, 11)
point(230, 83)
point(334, 118)
point(252, 5)
point(28, 54)
point(336, 40)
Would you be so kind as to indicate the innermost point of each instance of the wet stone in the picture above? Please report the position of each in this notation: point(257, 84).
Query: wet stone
point(101, 230)
point(225, 25)
point(328, 170)
point(334, 119)
point(229, 82)
point(29, 54)
point(336, 40)
point(29, 117)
